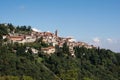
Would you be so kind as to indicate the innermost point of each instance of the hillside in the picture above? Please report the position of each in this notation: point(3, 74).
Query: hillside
point(28, 61)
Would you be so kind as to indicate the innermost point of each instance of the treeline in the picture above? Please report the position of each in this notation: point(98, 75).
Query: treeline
point(9, 28)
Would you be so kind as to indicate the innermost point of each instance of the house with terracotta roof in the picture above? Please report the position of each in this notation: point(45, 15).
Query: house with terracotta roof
point(19, 39)
point(48, 50)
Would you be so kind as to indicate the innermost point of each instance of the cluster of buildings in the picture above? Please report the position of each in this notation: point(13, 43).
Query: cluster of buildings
point(51, 39)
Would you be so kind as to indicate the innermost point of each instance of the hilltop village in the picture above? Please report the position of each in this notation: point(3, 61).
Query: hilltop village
point(26, 54)
point(52, 39)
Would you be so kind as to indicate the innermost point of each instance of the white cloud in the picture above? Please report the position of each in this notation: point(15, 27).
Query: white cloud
point(109, 40)
point(35, 29)
point(96, 40)
point(107, 43)
point(72, 40)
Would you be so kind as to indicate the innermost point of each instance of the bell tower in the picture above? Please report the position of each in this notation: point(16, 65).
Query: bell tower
point(56, 33)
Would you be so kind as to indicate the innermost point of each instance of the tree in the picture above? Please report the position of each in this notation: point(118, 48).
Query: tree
point(11, 27)
point(65, 48)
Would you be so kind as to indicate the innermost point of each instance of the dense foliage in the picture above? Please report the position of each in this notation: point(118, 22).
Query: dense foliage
point(9, 28)
point(89, 64)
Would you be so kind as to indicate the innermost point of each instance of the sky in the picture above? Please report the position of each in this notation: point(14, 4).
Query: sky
point(95, 22)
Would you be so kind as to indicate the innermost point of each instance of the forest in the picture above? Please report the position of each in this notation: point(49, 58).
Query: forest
point(88, 64)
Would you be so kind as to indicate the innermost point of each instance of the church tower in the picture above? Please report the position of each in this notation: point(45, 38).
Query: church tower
point(56, 33)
